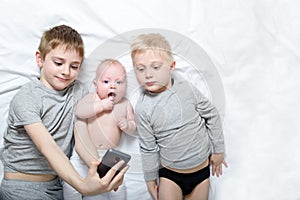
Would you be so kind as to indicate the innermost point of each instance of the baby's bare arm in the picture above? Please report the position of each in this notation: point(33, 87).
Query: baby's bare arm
point(128, 127)
point(90, 105)
point(128, 124)
point(83, 143)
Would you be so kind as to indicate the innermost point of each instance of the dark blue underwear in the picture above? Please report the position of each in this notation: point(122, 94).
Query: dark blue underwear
point(187, 182)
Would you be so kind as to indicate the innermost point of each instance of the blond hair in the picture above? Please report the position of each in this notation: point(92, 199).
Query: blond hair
point(153, 42)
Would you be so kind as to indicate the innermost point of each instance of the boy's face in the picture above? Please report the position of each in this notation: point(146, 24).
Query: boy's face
point(153, 71)
point(111, 82)
point(60, 68)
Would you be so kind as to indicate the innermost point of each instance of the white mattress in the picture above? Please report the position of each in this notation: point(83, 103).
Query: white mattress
point(244, 55)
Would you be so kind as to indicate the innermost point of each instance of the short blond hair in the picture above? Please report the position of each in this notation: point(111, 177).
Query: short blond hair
point(153, 42)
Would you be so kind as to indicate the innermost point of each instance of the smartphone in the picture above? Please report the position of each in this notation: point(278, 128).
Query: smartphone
point(110, 158)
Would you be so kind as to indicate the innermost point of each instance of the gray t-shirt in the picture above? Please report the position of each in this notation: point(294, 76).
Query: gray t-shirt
point(35, 103)
point(178, 128)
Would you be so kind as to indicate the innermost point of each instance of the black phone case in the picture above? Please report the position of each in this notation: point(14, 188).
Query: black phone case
point(110, 158)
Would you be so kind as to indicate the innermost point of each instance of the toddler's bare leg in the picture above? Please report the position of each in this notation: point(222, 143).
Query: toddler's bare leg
point(200, 192)
point(169, 190)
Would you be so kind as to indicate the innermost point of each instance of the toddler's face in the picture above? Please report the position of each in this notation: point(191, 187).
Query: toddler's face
point(153, 71)
point(112, 83)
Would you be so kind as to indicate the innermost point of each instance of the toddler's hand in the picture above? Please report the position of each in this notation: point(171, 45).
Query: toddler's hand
point(216, 160)
point(153, 189)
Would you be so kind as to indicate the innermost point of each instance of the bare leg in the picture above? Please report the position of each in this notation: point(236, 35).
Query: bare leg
point(200, 192)
point(169, 190)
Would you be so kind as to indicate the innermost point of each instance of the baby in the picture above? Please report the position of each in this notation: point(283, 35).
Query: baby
point(107, 111)
point(103, 115)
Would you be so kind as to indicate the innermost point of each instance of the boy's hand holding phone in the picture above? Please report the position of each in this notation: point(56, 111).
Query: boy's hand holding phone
point(111, 158)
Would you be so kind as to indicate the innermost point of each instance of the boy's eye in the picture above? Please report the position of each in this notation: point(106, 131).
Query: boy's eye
point(74, 66)
point(156, 67)
point(106, 81)
point(140, 68)
point(57, 63)
point(119, 82)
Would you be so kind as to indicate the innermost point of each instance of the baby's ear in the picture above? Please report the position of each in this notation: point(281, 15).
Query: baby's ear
point(39, 59)
point(95, 83)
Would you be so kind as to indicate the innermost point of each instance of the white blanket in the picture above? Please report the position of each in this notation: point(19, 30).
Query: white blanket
point(248, 54)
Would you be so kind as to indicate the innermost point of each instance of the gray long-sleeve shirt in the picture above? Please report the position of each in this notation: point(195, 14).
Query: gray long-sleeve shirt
point(178, 128)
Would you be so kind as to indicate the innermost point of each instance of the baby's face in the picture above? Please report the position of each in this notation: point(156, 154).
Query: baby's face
point(153, 71)
point(112, 83)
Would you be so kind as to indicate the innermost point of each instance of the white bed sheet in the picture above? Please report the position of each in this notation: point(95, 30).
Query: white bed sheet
point(254, 46)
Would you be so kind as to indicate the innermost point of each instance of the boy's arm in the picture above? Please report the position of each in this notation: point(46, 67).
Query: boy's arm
point(212, 120)
point(83, 143)
point(90, 105)
point(153, 189)
point(216, 161)
point(63, 167)
point(215, 132)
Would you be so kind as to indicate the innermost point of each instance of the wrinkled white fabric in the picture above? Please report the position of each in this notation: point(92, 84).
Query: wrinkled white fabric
point(254, 46)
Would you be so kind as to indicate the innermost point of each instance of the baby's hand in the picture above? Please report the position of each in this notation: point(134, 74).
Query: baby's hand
point(107, 104)
point(216, 160)
point(123, 124)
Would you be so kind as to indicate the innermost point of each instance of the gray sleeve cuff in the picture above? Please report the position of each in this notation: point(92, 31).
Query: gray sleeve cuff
point(150, 176)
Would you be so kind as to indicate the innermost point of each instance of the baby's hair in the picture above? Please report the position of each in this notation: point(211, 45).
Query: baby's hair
point(152, 42)
point(63, 35)
point(104, 64)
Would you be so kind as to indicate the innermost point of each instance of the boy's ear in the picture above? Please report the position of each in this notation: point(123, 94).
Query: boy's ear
point(38, 59)
point(173, 66)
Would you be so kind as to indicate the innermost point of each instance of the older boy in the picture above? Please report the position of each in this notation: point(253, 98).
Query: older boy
point(40, 126)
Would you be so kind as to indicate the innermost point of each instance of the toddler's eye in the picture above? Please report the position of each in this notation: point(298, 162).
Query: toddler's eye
point(119, 82)
point(156, 67)
point(140, 68)
point(106, 81)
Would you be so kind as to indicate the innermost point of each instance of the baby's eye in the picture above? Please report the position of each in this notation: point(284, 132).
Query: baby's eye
point(119, 82)
point(106, 81)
